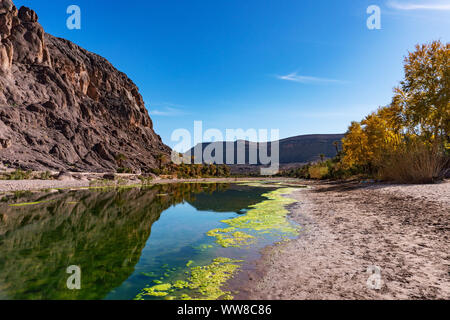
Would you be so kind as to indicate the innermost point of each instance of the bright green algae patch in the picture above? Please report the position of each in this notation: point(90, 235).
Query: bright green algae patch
point(158, 290)
point(204, 283)
point(269, 216)
point(229, 237)
point(28, 204)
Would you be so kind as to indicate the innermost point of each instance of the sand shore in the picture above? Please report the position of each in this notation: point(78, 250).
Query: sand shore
point(89, 179)
point(404, 230)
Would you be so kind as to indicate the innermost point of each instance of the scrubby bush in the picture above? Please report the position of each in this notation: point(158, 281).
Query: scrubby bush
point(415, 163)
point(20, 174)
point(187, 171)
point(318, 172)
point(47, 175)
point(124, 170)
point(146, 180)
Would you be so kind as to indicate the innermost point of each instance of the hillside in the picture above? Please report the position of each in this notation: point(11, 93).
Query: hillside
point(62, 107)
point(300, 149)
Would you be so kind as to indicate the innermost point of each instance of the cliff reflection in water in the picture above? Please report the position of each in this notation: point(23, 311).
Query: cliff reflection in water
point(103, 231)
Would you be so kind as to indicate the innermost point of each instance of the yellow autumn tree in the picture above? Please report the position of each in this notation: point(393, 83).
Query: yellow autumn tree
point(415, 126)
point(424, 94)
point(367, 142)
point(354, 146)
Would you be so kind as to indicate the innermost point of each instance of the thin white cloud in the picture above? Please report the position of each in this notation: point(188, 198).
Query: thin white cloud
point(166, 112)
point(324, 115)
point(419, 5)
point(295, 77)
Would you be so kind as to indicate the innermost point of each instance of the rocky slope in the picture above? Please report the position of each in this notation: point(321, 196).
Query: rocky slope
point(64, 108)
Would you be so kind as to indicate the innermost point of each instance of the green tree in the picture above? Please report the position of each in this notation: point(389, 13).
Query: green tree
point(424, 94)
point(120, 158)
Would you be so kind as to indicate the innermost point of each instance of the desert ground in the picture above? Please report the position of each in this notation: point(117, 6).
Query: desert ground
point(346, 228)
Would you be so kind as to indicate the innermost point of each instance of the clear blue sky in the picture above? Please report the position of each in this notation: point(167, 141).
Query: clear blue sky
point(299, 66)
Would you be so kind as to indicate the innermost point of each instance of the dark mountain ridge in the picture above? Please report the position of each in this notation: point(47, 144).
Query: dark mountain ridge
point(299, 149)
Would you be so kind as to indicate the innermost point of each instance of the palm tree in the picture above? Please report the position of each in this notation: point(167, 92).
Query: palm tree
point(322, 157)
point(120, 158)
point(336, 145)
point(161, 158)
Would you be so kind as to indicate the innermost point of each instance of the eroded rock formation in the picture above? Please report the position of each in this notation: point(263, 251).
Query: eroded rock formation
point(62, 107)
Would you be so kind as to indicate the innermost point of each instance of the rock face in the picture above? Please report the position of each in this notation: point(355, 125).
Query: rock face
point(64, 108)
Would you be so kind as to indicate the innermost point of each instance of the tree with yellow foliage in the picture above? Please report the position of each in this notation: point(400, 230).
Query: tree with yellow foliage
point(355, 146)
point(424, 94)
point(367, 142)
point(418, 115)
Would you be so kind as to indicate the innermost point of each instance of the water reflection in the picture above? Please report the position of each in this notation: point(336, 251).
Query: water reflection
point(104, 231)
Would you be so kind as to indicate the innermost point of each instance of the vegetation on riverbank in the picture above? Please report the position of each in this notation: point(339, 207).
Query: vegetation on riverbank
point(186, 171)
point(406, 141)
point(25, 175)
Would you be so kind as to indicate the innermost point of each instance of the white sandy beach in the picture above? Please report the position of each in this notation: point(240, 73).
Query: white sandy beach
point(403, 229)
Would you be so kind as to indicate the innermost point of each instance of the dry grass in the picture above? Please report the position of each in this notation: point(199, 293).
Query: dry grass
point(414, 163)
point(318, 172)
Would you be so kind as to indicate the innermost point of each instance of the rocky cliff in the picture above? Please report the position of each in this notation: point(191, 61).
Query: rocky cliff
point(64, 108)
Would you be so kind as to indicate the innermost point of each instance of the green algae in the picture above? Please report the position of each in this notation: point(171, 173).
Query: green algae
point(190, 262)
point(266, 217)
point(28, 204)
point(208, 280)
point(252, 184)
point(229, 237)
point(269, 215)
point(159, 290)
point(162, 287)
point(180, 284)
point(272, 184)
point(203, 247)
point(204, 283)
point(149, 274)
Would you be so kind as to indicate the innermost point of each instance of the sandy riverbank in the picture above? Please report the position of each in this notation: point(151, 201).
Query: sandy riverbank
point(94, 179)
point(347, 228)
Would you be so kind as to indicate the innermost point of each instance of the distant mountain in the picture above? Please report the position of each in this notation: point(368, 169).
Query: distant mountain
point(300, 149)
point(308, 148)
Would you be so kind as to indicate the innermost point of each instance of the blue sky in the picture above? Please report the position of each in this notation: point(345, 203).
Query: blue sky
point(301, 66)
